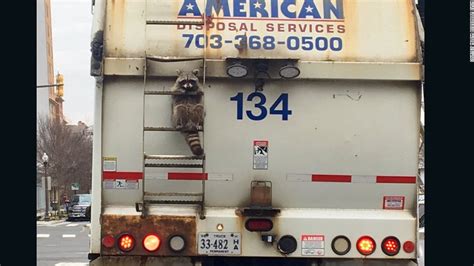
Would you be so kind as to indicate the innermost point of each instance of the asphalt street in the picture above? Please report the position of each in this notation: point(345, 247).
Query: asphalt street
point(62, 243)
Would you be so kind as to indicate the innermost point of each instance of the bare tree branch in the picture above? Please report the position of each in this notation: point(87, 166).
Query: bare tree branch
point(69, 152)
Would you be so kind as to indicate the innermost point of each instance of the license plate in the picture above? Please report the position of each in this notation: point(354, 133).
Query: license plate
point(219, 243)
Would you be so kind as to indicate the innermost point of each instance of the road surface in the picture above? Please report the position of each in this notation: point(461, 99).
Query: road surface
point(62, 243)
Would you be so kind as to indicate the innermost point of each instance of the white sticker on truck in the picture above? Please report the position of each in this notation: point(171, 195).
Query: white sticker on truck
point(312, 245)
point(394, 202)
point(120, 184)
point(109, 164)
point(260, 154)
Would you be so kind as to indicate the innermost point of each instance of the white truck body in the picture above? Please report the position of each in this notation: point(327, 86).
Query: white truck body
point(340, 142)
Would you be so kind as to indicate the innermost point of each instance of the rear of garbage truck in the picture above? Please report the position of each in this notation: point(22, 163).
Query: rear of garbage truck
point(310, 133)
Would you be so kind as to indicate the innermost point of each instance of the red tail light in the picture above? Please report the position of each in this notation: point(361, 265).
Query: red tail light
point(108, 241)
point(126, 242)
point(366, 245)
point(151, 242)
point(259, 225)
point(391, 246)
point(408, 246)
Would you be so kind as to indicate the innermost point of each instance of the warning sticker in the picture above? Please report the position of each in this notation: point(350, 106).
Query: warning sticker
point(312, 245)
point(109, 164)
point(394, 202)
point(260, 154)
point(120, 184)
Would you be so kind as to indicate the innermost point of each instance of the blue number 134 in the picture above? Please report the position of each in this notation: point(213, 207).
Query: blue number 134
point(262, 110)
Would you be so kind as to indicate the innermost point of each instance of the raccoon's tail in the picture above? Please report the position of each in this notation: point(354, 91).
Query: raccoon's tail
point(192, 138)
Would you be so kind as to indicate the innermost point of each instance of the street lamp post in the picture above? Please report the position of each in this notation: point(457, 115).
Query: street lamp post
point(45, 163)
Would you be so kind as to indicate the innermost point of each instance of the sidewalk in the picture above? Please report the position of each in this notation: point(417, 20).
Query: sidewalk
point(53, 215)
point(50, 222)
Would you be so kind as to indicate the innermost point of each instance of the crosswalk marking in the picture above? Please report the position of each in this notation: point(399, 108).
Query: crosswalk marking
point(63, 223)
point(60, 223)
point(51, 223)
point(42, 235)
point(68, 235)
point(72, 225)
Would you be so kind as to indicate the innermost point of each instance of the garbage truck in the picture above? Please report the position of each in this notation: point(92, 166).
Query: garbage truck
point(232, 132)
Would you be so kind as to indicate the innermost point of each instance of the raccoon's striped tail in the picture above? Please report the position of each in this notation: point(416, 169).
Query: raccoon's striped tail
point(192, 138)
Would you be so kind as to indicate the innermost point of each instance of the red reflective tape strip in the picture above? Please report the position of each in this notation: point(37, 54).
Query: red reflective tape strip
point(396, 179)
point(122, 175)
point(187, 176)
point(331, 178)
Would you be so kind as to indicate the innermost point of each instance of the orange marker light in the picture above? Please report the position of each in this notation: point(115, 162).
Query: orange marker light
point(126, 242)
point(366, 245)
point(151, 242)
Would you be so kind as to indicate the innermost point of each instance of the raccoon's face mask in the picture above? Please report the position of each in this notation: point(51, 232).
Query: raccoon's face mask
point(188, 84)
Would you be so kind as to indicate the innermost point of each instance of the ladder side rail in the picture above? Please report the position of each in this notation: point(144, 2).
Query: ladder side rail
point(204, 70)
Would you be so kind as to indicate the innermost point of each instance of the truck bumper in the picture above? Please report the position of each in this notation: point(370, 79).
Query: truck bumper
point(187, 261)
point(327, 224)
point(141, 260)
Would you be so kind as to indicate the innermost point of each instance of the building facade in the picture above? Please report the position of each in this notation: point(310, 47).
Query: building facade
point(48, 101)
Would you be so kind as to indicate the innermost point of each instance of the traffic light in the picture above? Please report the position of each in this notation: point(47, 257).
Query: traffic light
point(60, 82)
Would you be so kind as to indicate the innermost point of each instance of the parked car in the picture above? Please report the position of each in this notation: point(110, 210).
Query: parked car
point(80, 207)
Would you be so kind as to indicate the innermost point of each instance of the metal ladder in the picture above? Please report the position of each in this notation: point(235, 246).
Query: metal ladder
point(167, 198)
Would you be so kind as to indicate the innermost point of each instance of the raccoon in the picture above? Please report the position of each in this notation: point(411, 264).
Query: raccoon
point(188, 108)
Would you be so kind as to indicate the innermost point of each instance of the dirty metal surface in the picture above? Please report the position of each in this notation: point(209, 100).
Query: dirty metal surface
point(343, 30)
point(138, 227)
point(143, 261)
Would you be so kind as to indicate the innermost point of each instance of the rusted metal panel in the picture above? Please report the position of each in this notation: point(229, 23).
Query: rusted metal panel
point(318, 30)
point(338, 30)
point(163, 225)
point(125, 28)
point(142, 261)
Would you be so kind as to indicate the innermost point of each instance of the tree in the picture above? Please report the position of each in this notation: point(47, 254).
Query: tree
point(70, 155)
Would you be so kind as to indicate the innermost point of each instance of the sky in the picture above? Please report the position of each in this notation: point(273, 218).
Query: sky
point(71, 30)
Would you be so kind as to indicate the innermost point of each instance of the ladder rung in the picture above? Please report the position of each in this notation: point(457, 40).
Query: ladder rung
point(197, 202)
point(173, 165)
point(174, 157)
point(174, 22)
point(172, 59)
point(172, 194)
point(164, 129)
point(172, 93)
